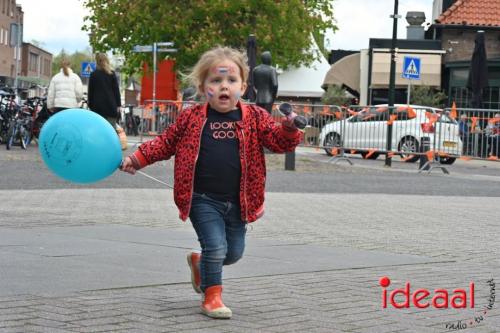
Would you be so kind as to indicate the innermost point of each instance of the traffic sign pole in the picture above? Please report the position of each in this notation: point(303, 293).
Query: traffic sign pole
point(392, 81)
point(153, 125)
point(409, 89)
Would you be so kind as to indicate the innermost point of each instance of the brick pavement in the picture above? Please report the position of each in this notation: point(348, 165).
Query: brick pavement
point(332, 301)
point(459, 231)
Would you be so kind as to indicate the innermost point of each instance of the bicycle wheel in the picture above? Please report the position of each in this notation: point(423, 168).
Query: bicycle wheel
point(24, 137)
point(26, 134)
point(11, 136)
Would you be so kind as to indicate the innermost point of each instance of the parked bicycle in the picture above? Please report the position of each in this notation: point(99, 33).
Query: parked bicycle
point(40, 114)
point(19, 128)
point(7, 111)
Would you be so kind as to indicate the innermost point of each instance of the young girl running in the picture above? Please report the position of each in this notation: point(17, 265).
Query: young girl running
point(219, 170)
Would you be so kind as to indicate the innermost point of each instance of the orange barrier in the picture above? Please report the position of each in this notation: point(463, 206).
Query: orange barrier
point(439, 126)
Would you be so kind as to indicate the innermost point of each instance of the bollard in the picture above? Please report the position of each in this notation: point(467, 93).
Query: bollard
point(290, 161)
point(425, 146)
point(300, 122)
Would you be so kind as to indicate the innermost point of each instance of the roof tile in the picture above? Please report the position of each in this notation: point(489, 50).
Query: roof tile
point(472, 12)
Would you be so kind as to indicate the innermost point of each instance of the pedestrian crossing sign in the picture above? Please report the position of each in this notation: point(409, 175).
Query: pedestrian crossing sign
point(87, 68)
point(411, 68)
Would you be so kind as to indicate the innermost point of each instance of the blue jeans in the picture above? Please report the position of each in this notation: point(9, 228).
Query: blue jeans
point(221, 234)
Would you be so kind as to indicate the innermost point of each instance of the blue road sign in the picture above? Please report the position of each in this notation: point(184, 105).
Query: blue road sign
point(87, 68)
point(411, 68)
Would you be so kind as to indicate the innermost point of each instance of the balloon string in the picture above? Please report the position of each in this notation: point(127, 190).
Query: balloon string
point(155, 179)
point(148, 176)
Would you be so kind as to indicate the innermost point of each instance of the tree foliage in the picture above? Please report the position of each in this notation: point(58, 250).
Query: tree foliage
point(76, 58)
point(335, 95)
point(282, 27)
point(427, 96)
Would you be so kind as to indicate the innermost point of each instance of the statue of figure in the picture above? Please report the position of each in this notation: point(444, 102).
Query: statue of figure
point(265, 80)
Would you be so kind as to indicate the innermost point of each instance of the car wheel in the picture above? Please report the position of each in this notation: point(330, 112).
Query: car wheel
point(373, 156)
point(447, 160)
point(409, 146)
point(332, 140)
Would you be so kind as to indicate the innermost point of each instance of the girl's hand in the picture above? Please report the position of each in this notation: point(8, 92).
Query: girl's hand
point(127, 166)
point(287, 123)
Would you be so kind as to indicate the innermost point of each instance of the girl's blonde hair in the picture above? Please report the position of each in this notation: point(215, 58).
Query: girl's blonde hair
point(102, 62)
point(213, 57)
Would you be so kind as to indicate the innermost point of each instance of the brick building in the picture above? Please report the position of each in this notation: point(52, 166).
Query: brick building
point(34, 64)
point(10, 14)
point(37, 63)
point(456, 25)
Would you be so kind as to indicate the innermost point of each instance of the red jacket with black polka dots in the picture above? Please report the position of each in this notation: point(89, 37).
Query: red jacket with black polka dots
point(256, 129)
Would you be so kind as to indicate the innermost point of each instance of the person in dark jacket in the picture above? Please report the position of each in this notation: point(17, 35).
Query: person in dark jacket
point(103, 91)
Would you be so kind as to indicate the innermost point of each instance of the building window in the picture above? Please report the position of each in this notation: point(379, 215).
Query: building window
point(6, 37)
point(33, 62)
point(1, 36)
point(46, 67)
point(459, 76)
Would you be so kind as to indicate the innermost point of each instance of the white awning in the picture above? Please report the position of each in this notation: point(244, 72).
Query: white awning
point(346, 72)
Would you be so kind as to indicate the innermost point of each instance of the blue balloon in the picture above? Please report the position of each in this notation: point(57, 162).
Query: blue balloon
point(80, 146)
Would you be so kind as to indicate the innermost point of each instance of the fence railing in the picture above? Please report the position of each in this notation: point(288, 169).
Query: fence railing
point(479, 131)
point(416, 131)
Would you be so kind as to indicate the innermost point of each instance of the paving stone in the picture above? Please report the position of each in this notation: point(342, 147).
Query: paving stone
point(336, 300)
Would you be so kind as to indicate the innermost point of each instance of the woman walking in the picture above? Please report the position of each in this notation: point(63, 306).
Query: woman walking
point(65, 89)
point(103, 91)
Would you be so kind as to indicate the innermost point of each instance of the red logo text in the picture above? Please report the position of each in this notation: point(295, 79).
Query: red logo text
point(423, 298)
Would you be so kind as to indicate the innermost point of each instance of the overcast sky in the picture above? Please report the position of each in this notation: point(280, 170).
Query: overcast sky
point(57, 23)
point(359, 20)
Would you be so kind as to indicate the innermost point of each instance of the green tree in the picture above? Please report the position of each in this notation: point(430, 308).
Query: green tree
point(76, 58)
point(335, 95)
point(427, 96)
point(285, 28)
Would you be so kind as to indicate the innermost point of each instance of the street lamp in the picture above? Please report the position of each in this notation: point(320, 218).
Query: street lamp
point(392, 81)
point(16, 43)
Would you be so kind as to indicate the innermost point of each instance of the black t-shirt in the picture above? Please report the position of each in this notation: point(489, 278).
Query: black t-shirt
point(218, 169)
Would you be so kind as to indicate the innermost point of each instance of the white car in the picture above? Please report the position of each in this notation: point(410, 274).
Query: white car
point(366, 132)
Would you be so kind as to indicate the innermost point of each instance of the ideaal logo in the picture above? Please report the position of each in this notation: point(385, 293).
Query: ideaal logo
point(460, 298)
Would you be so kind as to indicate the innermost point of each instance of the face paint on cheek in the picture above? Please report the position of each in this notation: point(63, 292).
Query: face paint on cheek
point(210, 93)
